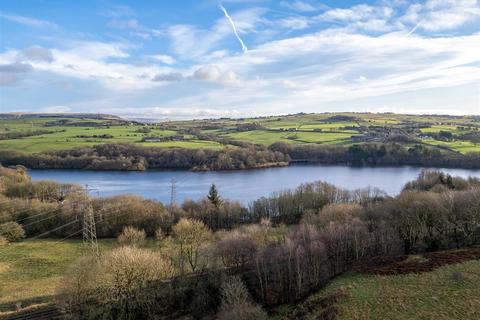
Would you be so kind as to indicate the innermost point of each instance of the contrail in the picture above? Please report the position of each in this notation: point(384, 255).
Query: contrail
point(414, 29)
point(244, 47)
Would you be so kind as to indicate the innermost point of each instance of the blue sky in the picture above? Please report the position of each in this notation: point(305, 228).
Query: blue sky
point(203, 58)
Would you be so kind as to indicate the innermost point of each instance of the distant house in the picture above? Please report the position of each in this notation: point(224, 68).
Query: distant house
point(176, 138)
point(365, 138)
point(163, 139)
point(154, 139)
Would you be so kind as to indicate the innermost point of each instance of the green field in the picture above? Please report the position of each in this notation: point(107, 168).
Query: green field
point(450, 292)
point(325, 128)
point(30, 271)
point(67, 137)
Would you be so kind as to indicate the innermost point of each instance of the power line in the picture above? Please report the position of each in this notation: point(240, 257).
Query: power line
point(53, 230)
point(37, 221)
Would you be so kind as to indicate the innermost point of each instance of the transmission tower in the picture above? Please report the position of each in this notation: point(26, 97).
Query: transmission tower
point(173, 193)
point(90, 244)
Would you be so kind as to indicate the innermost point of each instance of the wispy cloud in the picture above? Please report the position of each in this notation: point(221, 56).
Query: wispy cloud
point(163, 58)
point(118, 12)
point(302, 6)
point(27, 21)
point(440, 15)
point(305, 61)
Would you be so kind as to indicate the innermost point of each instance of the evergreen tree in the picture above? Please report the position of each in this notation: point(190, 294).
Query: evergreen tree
point(213, 196)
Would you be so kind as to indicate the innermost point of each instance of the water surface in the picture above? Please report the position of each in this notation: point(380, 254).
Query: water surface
point(244, 185)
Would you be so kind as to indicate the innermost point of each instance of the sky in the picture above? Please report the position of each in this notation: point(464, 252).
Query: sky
point(203, 58)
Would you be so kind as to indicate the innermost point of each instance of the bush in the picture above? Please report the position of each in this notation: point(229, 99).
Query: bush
point(159, 235)
point(12, 231)
point(237, 303)
point(236, 249)
point(131, 236)
point(245, 311)
point(191, 235)
point(3, 241)
point(116, 286)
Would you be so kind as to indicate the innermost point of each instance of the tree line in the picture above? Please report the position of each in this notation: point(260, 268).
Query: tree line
point(215, 255)
point(240, 155)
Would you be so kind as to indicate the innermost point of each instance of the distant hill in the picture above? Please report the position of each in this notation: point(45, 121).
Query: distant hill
point(26, 115)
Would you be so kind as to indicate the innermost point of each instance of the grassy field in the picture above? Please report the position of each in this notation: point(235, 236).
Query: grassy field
point(69, 137)
point(450, 292)
point(325, 128)
point(30, 271)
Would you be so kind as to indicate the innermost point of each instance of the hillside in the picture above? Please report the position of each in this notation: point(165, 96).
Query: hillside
point(52, 132)
point(449, 292)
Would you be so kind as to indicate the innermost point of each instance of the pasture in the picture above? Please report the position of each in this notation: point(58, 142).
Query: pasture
point(30, 271)
point(42, 134)
point(450, 292)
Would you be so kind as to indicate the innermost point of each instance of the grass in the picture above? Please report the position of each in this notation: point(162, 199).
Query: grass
point(32, 270)
point(450, 292)
point(269, 137)
point(333, 132)
point(190, 144)
point(460, 146)
point(67, 137)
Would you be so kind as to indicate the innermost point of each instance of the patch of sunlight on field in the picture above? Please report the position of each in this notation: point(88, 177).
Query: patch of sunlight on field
point(438, 128)
point(188, 144)
point(270, 137)
point(461, 146)
point(30, 270)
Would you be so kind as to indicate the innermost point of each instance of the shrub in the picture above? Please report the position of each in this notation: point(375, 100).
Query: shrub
point(191, 235)
point(246, 311)
point(237, 303)
point(131, 236)
point(115, 286)
point(159, 235)
point(12, 231)
point(236, 249)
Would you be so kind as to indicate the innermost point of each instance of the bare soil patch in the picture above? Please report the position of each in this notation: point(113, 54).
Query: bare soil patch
point(419, 264)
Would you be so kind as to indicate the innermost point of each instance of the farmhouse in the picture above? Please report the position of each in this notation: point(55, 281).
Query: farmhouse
point(163, 139)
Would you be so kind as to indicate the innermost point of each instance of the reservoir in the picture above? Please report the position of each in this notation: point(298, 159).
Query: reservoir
point(242, 185)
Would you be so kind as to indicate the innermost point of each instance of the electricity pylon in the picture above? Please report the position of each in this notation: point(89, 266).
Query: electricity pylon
point(90, 244)
point(173, 194)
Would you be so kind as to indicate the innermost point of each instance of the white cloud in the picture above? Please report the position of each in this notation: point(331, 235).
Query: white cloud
point(296, 23)
point(191, 42)
point(124, 24)
point(440, 15)
point(12, 74)
point(27, 21)
point(37, 53)
point(364, 53)
point(214, 74)
point(183, 112)
point(57, 109)
point(301, 6)
point(169, 76)
point(118, 12)
point(163, 58)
